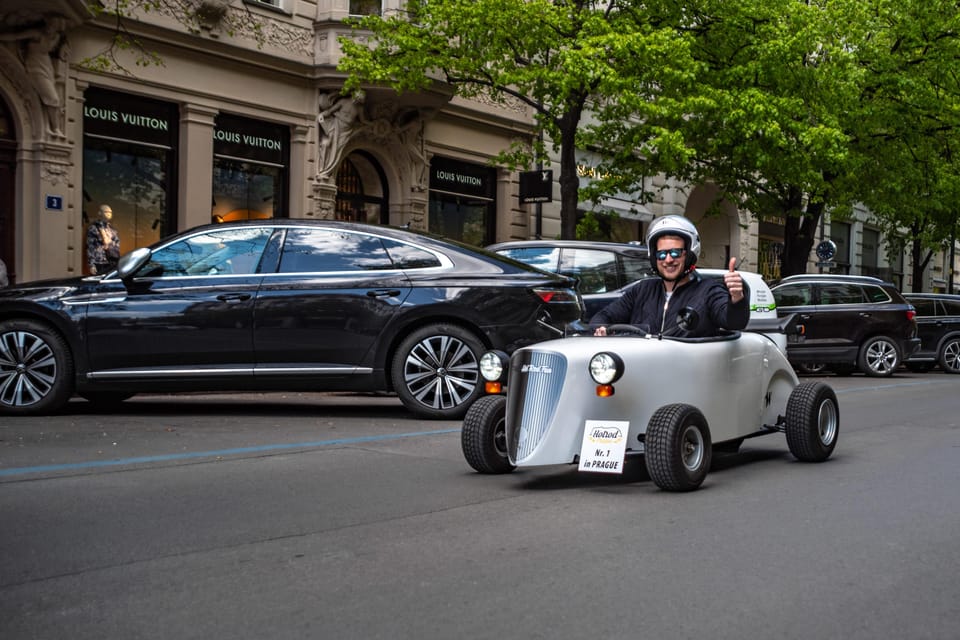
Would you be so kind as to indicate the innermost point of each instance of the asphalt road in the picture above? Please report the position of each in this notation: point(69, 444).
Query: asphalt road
point(336, 516)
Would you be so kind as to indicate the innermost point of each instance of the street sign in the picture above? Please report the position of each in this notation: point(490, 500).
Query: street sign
point(536, 186)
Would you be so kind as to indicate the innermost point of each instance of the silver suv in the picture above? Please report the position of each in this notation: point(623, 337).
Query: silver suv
point(850, 323)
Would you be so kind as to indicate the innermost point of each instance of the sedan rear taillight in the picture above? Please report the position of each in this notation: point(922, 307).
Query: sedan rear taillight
point(556, 295)
point(911, 314)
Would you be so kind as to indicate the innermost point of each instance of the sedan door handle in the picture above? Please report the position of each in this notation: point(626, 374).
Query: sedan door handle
point(233, 298)
point(865, 315)
point(383, 293)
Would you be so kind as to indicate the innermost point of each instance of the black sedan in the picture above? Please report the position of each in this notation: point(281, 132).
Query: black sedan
point(278, 305)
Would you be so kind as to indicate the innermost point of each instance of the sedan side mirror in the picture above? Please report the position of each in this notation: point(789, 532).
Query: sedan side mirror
point(131, 262)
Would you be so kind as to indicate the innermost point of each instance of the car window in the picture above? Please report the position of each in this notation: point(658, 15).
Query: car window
point(635, 268)
point(220, 252)
point(595, 270)
point(876, 294)
point(792, 295)
point(951, 307)
point(924, 306)
point(546, 258)
point(405, 256)
point(841, 293)
point(324, 251)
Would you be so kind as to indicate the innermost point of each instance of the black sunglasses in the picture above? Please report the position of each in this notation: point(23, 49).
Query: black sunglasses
point(674, 253)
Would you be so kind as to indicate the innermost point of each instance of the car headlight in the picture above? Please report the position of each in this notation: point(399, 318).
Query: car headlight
point(493, 364)
point(606, 368)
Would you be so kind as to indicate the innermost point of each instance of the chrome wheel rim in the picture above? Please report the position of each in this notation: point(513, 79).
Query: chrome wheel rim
point(882, 357)
point(951, 356)
point(691, 448)
point(827, 422)
point(441, 372)
point(28, 368)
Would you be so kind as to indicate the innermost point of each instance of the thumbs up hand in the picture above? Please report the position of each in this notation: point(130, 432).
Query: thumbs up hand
point(734, 282)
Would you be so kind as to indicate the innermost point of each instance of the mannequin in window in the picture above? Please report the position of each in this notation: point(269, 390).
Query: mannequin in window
point(103, 243)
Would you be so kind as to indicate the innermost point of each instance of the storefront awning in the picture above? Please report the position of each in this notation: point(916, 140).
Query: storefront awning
point(622, 208)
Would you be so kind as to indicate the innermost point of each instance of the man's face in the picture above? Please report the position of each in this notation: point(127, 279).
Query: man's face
point(670, 267)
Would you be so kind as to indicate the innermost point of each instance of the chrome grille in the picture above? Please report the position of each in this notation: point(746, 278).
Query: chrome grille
point(535, 383)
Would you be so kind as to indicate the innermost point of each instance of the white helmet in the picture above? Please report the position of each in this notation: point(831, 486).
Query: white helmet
point(674, 226)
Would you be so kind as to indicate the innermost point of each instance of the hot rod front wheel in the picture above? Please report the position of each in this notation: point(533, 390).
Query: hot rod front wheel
point(678, 449)
point(483, 437)
point(812, 421)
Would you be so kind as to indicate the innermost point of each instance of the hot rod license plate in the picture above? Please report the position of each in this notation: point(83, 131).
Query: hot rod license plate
point(604, 446)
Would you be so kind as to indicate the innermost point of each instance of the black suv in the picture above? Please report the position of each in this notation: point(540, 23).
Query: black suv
point(850, 322)
point(938, 322)
point(601, 269)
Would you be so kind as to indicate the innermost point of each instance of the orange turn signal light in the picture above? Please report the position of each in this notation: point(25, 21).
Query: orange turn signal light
point(604, 390)
point(493, 388)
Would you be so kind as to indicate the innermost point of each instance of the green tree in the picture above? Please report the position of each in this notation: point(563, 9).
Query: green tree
point(558, 57)
point(908, 129)
point(765, 117)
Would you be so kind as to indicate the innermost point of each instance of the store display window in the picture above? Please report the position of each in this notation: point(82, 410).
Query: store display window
point(462, 202)
point(250, 169)
point(129, 160)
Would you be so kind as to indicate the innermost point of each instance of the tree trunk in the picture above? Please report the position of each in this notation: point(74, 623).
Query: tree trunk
point(569, 180)
point(799, 234)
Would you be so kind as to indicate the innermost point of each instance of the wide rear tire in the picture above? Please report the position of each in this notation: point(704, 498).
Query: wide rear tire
point(812, 421)
point(678, 448)
point(483, 437)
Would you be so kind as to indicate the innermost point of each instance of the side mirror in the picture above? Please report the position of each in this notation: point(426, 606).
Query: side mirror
point(131, 262)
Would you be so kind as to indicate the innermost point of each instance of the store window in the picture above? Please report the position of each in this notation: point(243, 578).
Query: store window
point(129, 161)
point(250, 169)
point(462, 202)
point(361, 190)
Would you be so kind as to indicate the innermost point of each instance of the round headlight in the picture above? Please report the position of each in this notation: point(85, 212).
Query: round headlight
point(606, 368)
point(492, 365)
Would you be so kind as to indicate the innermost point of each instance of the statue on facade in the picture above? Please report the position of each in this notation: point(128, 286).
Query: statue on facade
point(44, 52)
point(340, 118)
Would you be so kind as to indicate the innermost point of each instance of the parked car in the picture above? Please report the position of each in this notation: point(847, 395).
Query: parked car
point(278, 305)
point(595, 401)
point(586, 260)
point(850, 323)
point(938, 323)
point(602, 269)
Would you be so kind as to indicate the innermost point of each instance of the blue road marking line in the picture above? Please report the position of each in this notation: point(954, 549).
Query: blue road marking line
point(222, 452)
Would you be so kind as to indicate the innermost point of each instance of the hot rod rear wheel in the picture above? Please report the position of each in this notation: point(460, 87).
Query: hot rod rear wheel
point(677, 446)
point(36, 368)
point(812, 421)
point(483, 437)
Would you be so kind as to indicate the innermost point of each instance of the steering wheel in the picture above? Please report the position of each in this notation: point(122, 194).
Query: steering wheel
point(626, 330)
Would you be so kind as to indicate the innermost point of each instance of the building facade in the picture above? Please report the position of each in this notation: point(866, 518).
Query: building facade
point(243, 117)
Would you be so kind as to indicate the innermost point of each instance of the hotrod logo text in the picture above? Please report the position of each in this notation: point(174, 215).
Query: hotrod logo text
point(536, 368)
point(606, 434)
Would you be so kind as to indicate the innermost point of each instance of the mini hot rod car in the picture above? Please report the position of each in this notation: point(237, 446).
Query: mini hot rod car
point(593, 401)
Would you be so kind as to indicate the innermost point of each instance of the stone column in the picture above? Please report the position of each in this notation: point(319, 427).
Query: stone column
point(195, 183)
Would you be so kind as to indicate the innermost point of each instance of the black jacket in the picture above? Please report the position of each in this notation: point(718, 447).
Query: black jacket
point(642, 305)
